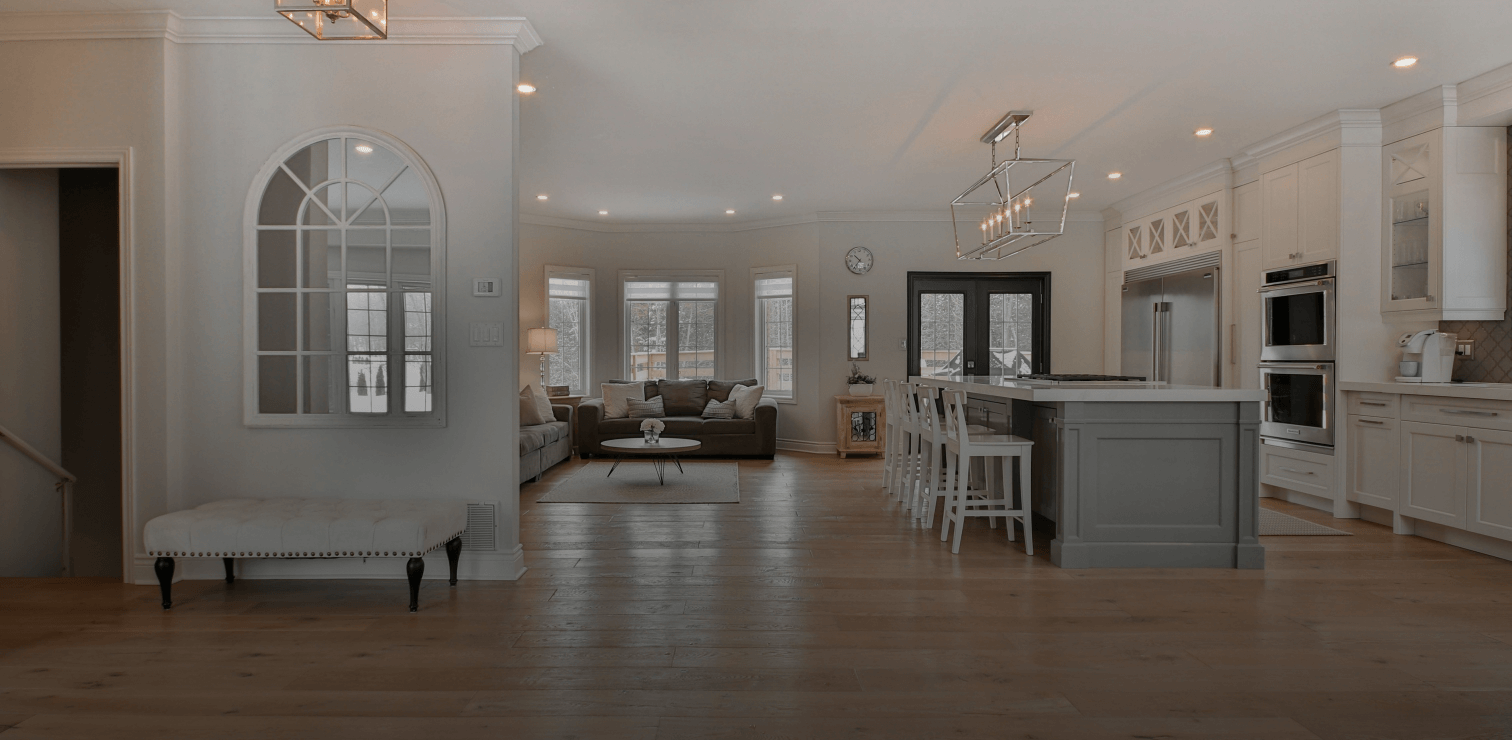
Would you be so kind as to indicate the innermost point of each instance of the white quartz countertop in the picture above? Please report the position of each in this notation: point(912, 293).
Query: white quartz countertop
point(1048, 391)
point(1492, 391)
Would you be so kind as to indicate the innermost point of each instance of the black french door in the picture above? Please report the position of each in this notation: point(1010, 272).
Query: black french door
point(978, 323)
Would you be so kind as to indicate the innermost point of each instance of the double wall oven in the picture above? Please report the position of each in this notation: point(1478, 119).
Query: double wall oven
point(1297, 359)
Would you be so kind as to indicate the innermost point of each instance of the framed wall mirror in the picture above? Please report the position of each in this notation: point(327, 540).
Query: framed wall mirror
point(856, 344)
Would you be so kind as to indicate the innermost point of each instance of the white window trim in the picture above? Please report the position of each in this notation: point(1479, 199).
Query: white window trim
point(714, 276)
point(758, 273)
point(250, 415)
point(576, 273)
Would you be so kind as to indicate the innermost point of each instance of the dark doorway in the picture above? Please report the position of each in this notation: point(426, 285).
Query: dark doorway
point(978, 323)
point(89, 268)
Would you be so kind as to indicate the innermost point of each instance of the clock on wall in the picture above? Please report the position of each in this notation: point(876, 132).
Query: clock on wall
point(859, 260)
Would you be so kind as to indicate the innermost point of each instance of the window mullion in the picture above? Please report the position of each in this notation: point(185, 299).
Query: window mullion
point(674, 363)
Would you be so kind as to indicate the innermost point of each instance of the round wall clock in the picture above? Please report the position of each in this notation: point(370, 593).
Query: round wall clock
point(859, 260)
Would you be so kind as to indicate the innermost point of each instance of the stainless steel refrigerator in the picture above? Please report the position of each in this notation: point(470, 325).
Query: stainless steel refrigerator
point(1170, 328)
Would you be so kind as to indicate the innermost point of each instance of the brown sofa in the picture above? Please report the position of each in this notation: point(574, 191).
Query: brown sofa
point(684, 401)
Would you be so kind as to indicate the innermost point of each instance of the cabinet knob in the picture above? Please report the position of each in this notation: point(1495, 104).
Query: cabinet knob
point(1470, 439)
point(1459, 437)
point(1429, 297)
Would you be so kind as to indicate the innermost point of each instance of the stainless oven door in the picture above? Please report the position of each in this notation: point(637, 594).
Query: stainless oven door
point(1298, 402)
point(1299, 322)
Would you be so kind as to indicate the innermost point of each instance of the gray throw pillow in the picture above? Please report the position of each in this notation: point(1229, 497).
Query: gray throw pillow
point(651, 409)
point(719, 390)
point(684, 397)
point(717, 410)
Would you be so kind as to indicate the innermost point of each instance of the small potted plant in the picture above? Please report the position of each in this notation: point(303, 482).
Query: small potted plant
point(860, 383)
point(652, 429)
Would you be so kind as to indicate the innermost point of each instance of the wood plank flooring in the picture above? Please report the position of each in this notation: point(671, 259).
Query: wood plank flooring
point(812, 609)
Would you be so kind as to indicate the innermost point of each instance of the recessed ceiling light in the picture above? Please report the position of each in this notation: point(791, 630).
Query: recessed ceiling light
point(776, 197)
point(526, 88)
point(603, 213)
point(541, 197)
point(1203, 132)
point(1404, 62)
point(729, 211)
point(1114, 175)
point(364, 148)
point(1073, 195)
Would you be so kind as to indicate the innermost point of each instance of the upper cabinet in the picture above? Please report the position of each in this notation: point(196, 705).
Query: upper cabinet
point(1299, 223)
point(1192, 227)
point(1444, 230)
point(1246, 220)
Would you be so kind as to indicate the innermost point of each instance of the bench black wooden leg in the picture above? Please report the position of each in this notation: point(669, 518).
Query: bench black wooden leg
point(454, 551)
point(230, 570)
point(164, 569)
point(416, 570)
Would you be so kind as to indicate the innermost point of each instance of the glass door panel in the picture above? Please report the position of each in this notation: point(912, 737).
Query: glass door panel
point(942, 329)
point(1010, 329)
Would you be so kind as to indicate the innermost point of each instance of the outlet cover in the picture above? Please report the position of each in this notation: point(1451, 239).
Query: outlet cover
point(486, 334)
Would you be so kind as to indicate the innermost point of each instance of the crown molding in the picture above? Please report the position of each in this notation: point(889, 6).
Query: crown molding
point(1486, 99)
point(610, 227)
point(1195, 184)
point(1436, 107)
point(270, 29)
point(1349, 127)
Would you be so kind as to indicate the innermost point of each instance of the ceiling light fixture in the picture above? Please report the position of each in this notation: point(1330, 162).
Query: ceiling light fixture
point(1404, 62)
point(603, 213)
point(1203, 132)
point(337, 20)
point(363, 149)
point(1114, 175)
point(526, 88)
point(776, 197)
point(1073, 195)
point(1004, 198)
point(729, 211)
point(541, 197)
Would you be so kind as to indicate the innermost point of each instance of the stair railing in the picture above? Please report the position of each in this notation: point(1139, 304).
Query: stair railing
point(64, 486)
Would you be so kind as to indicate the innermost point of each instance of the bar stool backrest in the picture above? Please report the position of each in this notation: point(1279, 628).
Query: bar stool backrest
point(890, 400)
point(928, 412)
point(955, 415)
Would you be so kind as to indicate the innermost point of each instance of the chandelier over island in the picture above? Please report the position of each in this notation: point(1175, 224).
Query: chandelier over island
point(337, 20)
point(1018, 204)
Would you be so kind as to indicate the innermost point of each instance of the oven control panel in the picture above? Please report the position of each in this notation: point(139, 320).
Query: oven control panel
point(1305, 272)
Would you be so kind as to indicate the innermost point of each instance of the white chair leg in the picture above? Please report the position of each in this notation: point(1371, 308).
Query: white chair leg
point(1007, 495)
point(952, 463)
point(1024, 504)
point(960, 522)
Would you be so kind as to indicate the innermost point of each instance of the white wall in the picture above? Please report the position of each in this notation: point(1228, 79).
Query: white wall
point(30, 385)
point(1075, 262)
point(201, 119)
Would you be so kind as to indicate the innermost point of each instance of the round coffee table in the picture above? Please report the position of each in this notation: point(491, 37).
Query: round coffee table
point(664, 449)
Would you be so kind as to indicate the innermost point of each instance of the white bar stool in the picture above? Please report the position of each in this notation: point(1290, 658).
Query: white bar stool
point(890, 447)
point(962, 446)
point(932, 434)
point(904, 453)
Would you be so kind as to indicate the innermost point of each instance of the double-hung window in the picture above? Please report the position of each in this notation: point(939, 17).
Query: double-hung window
point(568, 296)
point(776, 337)
point(344, 295)
point(671, 325)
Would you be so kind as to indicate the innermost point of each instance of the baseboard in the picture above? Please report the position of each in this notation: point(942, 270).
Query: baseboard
point(473, 566)
point(1297, 497)
point(1480, 543)
point(1375, 514)
point(803, 445)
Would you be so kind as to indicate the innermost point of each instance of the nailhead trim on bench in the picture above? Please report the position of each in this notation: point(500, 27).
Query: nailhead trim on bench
point(171, 554)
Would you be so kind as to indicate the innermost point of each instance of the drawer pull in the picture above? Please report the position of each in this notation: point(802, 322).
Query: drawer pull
point(1371, 403)
point(1298, 472)
point(1370, 421)
point(1459, 437)
point(1470, 439)
point(1467, 412)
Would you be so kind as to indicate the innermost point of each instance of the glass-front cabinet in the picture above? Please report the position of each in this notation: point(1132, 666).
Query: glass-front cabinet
point(1444, 226)
point(1192, 227)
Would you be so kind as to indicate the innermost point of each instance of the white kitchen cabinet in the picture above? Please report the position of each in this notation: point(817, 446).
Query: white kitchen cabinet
point(1192, 227)
point(1206, 222)
point(1246, 220)
point(1297, 470)
point(1299, 223)
point(1113, 323)
point(1434, 458)
point(1488, 482)
point(1444, 226)
point(1373, 449)
point(1247, 310)
point(1134, 244)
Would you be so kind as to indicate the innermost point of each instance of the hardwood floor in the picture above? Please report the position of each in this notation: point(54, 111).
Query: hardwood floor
point(812, 609)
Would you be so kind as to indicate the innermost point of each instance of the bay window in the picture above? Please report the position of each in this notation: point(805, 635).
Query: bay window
point(568, 304)
point(671, 325)
point(776, 336)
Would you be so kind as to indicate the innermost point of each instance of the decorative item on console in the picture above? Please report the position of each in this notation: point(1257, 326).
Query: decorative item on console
point(1022, 202)
point(860, 383)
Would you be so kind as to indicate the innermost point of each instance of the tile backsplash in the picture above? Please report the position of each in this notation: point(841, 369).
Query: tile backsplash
point(1493, 339)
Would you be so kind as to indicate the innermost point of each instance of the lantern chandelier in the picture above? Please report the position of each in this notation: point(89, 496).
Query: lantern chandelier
point(1020, 202)
point(337, 20)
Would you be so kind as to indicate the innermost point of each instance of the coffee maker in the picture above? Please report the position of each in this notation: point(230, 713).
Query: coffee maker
point(1427, 357)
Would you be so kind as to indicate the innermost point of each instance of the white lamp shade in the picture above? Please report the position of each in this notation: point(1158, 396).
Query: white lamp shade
point(540, 341)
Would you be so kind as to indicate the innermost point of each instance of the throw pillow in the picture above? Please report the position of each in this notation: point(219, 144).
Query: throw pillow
point(543, 405)
point(651, 409)
point(530, 413)
point(717, 410)
point(745, 398)
point(684, 397)
point(719, 390)
point(616, 395)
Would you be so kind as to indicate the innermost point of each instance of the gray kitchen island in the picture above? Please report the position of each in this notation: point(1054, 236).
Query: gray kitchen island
point(1134, 475)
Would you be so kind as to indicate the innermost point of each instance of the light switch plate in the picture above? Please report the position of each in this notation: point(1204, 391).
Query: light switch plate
point(488, 287)
point(486, 334)
point(1464, 349)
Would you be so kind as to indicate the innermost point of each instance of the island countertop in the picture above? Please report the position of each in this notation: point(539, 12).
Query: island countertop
point(1054, 392)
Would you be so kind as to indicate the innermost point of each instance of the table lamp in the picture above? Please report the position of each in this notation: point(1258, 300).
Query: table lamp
point(541, 341)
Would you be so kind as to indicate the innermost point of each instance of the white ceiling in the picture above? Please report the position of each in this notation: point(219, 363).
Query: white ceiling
point(674, 110)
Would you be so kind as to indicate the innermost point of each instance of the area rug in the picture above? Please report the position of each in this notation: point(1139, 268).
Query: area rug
point(634, 482)
point(1276, 523)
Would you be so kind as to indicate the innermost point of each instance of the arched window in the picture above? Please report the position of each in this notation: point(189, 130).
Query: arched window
point(344, 271)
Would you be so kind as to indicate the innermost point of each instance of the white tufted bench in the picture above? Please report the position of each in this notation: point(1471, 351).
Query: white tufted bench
point(308, 528)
